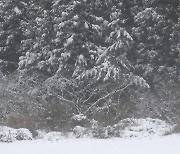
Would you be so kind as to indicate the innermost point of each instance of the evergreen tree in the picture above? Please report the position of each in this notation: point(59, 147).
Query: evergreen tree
point(175, 50)
point(152, 32)
point(11, 15)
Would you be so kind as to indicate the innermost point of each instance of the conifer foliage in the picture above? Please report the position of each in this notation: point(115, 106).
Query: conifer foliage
point(94, 56)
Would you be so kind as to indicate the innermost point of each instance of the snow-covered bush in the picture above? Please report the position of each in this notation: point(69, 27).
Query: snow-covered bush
point(23, 134)
point(40, 134)
point(9, 134)
point(95, 131)
point(79, 117)
point(53, 136)
point(80, 120)
point(80, 132)
point(144, 127)
point(126, 128)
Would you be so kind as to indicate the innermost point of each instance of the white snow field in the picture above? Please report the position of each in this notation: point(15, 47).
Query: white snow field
point(156, 145)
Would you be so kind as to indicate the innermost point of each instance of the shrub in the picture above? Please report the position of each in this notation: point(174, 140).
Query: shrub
point(10, 135)
point(53, 136)
point(80, 120)
point(176, 128)
point(80, 132)
point(17, 121)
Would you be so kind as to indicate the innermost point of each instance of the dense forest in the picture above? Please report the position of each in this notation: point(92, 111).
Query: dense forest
point(102, 59)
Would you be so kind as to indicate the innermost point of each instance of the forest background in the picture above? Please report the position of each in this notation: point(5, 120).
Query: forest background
point(106, 60)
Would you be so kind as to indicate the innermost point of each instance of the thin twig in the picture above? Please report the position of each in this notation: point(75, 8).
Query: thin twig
point(113, 92)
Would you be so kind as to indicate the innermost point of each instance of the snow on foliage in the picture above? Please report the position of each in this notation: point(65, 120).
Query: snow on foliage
point(17, 10)
point(127, 128)
point(40, 134)
point(53, 136)
point(79, 117)
point(147, 14)
point(80, 132)
point(144, 127)
point(139, 81)
point(9, 134)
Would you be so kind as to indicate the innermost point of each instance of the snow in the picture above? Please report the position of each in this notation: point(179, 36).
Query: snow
point(157, 145)
point(137, 136)
point(79, 117)
point(126, 128)
point(145, 128)
point(16, 9)
point(10, 135)
point(69, 41)
point(53, 136)
point(84, 128)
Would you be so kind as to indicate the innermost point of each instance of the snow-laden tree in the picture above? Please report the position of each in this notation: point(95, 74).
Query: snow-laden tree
point(36, 47)
point(155, 57)
point(151, 34)
point(175, 50)
point(78, 36)
point(11, 16)
point(112, 72)
point(90, 54)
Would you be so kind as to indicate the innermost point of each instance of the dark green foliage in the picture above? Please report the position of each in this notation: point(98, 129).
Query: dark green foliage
point(107, 59)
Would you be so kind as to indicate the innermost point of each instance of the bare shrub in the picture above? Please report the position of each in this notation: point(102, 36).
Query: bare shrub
point(57, 115)
point(17, 121)
point(176, 128)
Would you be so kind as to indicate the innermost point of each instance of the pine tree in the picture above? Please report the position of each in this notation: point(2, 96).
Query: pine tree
point(11, 15)
point(152, 32)
point(36, 46)
point(112, 72)
point(78, 35)
point(175, 51)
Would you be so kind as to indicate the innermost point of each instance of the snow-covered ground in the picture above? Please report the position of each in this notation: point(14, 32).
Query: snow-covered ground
point(133, 136)
point(156, 145)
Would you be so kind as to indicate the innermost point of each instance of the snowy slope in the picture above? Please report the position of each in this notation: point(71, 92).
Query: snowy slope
point(156, 145)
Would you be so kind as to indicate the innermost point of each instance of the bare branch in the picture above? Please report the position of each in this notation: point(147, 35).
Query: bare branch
point(111, 93)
